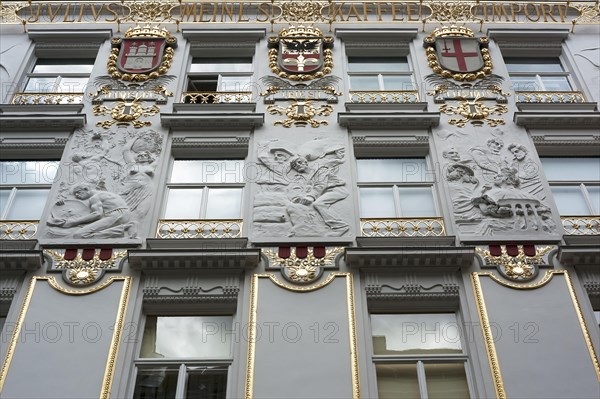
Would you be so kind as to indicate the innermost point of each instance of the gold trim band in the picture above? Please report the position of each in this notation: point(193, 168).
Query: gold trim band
point(249, 390)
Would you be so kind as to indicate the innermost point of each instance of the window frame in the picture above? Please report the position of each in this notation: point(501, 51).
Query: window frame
point(540, 75)
point(58, 76)
point(396, 186)
point(381, 74)
point(183, 363)
point(13, 190)
point(205, 189)
point(220, 74)
point(583, 188)
point(420, 360)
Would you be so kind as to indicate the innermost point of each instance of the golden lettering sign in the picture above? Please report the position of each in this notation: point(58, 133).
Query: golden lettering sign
point(287, 11)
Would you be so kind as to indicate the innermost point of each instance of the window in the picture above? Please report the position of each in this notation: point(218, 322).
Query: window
point(58, 75)
point(419, 356)
point(575, 184)
point(24, 188)
point(225, 75)
point(184, 357)
point(380, 73)
point(537, 74)
point(205, 189)
point(395, 187)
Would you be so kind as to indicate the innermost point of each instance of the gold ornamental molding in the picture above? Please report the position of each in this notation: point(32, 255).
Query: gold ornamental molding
point(331, 12)
point(384, 97)
point(115, 340)
point(487, 329)
point(47, 98)
point(216, 97)
point(252, 323)
point(199, 228)
point(18, 229)
point(403, 227)
point(553, 97)
point(581, 225)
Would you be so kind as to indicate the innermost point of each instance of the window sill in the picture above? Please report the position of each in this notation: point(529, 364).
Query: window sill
point(389, 120)
point(41, 116)
point(546, 116)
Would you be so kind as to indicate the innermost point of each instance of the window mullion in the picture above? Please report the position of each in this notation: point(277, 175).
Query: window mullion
point(587, 199)
point(9, 201)
point(380, 81)
point(422, 380)
point(181, 382)
point(396, 193)
point(204, 202)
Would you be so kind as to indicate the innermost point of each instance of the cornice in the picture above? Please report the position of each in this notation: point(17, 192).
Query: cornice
point(43, 122)
point(20, 260)
point(186, 259)
point(389, 120)
point(557, 120)
point(375, 36)
point(212, 121)
point(427, 257)
point(579, 255)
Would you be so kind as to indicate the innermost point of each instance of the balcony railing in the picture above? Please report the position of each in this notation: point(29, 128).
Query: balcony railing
point(581, 225)
point(556, 97)
point(403, 227)
point(384, 97)
point(48, 98)
point(216, 97)
point(18, 230)
point(199, 228)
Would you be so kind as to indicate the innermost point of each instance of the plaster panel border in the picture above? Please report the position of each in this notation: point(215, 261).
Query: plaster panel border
point(115, 340)
point(249, 389)
point(487, 330)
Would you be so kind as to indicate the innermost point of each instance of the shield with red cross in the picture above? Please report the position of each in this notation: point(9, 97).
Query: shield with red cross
point(459, 54)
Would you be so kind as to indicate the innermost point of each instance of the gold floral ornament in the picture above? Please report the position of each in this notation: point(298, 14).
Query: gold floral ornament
point(300, 113)
point(144, 53)
point(303, 270)
point(454, 52)
point(80, 272)
point(517, 268)
point(475, 112)
point(125, 113)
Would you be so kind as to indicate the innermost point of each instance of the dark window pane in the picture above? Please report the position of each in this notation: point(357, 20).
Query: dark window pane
point(156, 383)
point(206, 382)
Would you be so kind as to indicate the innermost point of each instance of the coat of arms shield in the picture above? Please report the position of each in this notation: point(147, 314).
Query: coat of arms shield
point(459, 54)
point(141, 55)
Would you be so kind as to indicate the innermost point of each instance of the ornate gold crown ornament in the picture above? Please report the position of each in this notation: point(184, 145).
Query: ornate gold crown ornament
point(453, 30)
point(147, 31)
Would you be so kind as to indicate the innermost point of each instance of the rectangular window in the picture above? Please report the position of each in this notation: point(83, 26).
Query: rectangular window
point(184, 357)
point(59, 75)
point(537, 74)
point(575, 184)
point(380, 74)
point(395, 187)
point(24, 188)
point(209, 80)
point(205, 189)
point(419, 356)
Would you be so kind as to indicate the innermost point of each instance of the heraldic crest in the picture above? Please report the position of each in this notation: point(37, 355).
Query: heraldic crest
point(454, 52)
point(300, 53)
point(144, 53)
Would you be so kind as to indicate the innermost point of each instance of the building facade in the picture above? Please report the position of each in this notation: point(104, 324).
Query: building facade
point(221, 199)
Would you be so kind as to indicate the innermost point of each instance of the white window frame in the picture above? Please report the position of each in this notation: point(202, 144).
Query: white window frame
point(205, 189)
point(221, 74)
point(58, 77)
point(183, 363)
point(582, 184)
point(421, 360)
point(539, 75)
point(397, 185)
point(14, 188)
point(380, 75)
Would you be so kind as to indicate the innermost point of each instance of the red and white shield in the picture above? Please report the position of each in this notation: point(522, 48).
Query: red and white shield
point(459, 54)
point(300, 55)
point(140, 55)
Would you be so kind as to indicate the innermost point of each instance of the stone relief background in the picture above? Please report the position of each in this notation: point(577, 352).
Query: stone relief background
point(302, 189)
point(106, 184)
point(494, 183)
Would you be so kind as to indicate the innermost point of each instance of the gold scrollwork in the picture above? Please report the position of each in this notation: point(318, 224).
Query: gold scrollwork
point(300, 113)
point(562, 97)
point(199, 228)
point(303, 270)
point(581, 225)
point(216, 97)
point(384, 97)
point(301, 11)
point(451, 11)
point(474, 111)
point(517, 268)
point(47, 98)
point(125, 113)
point(149, 11)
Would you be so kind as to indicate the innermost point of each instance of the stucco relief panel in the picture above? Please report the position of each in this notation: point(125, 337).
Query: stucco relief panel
point(302, 189)
point(106, 184)
point(495, 184)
